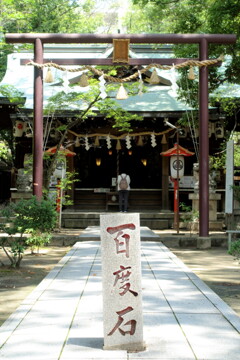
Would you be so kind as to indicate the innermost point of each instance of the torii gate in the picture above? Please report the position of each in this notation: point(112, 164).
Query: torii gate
point(203, 40)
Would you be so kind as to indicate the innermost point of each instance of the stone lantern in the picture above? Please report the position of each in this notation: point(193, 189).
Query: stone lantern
point(176, 154)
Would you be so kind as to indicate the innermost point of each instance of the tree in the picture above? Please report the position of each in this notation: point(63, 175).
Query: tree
point(33, 217)
point(49, 16)
point(200, 16)
point(55, 16)
point(93, 103)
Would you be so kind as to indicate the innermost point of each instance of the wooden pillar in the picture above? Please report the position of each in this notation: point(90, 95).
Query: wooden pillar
point(203, 144)
point(38, 122)
point(70, 168)
point(165, 175)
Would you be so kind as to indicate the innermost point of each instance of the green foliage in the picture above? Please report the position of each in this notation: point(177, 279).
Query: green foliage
point(53, 16)
point(12, 93)
point(5, 155)
point(33, 215)
point(229, 105)
point(197, 16)
point(28, 223)
point(190, 215)
point(44, 16)
point(89, 102)
point(218, 161)
point(145, 19)
point(83, 105)
point(14, 248)
point(236, 192)
point(235, 249)
point(38, 239)
point(66, 184)
point(236, 155)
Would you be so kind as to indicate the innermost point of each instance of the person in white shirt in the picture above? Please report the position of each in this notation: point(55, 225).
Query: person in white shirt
point(123, 191)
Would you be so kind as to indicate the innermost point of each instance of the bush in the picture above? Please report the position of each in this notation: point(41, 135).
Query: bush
point(190, 217)
point(28, 223)
point(235, 249)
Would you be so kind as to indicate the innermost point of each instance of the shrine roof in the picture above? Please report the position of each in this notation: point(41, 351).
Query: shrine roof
point(158, 98)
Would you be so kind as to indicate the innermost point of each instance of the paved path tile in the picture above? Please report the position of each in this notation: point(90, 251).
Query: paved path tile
point(62, 318)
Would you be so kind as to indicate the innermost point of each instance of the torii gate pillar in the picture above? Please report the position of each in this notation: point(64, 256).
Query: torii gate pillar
point(203, 143)
point(38, 121)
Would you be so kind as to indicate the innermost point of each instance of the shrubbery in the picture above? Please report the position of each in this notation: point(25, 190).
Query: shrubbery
point(28, 223)
point(235, 249)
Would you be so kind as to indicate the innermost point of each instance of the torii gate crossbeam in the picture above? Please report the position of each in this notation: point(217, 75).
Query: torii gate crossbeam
point(203, 40)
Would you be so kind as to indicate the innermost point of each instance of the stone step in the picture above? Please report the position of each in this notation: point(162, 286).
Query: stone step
point(81, 223)
point(154, 220)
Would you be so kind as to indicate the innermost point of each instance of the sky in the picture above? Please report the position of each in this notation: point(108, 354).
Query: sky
point(114, 6)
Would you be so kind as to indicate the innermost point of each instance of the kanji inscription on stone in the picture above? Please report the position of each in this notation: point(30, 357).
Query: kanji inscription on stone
point(122, 290)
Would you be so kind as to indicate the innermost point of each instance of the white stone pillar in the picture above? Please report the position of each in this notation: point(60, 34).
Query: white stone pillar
point(229, 177)
point(122, 290)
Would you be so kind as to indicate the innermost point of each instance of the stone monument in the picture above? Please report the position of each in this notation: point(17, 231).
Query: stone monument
point(122, 290)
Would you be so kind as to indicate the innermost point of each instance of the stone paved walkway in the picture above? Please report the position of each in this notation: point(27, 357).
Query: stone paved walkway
point(62, 317)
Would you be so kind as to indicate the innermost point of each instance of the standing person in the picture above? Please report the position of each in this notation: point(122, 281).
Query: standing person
point(123, 190)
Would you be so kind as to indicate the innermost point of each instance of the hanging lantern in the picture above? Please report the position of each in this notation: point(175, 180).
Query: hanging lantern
point(19, 128)
point(110, 152)
point(49, 76)
point(177, 166)
point(191, 75)
point(177, 154)
point(130, 152)
point(98, 161)
point(83, 81)
point(144, 162)
point(122, 93)
point(96, 143)
point(118, 146)
point(154, 79)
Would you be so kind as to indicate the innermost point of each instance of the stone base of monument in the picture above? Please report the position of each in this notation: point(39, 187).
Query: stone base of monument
point(213, 226)
point(19, 195)
point(213, 198)
point(204, 243)
point(134, 347)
